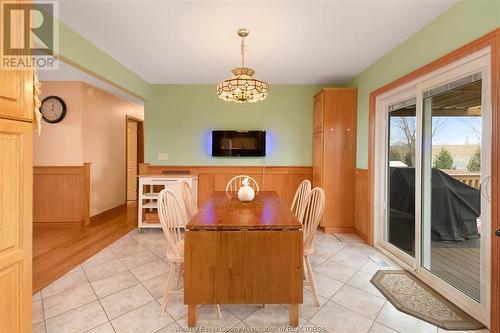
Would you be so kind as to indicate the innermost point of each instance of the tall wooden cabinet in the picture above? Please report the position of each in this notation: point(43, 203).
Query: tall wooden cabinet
point(16, 192)
point(334, 155)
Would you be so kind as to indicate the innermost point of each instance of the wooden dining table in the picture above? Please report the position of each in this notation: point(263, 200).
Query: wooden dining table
point(243, 253)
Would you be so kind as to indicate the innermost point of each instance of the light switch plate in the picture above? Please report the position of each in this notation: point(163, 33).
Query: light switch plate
point(162, 156)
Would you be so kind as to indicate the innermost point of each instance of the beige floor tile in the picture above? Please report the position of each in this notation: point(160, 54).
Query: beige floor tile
point(125, 301)
point(370, 268)
point(76, 269)
point(308, 308)
point(360, 249)
point(378, 328)
point(335, 270)
point(271, 316)
point(208, 321)
point(337, 319)
point(242, 311)
point(138, 259)
point(36, 296)
point(325, 248)
point(156, 285)
point(100, 258)
point(65, 282)
point(68, 300)
point(145, 319)
point(77, 320)
point(159, 251)
point(316, 260)
point(362, 281)
point(104, 328)
point(326, 286)
point(114, 283)
point(99, 272)
point(38, 327)
point(349, 259)
point(126, 247)
point(359, 301)
point(172, 328)
point(150, 270)
point(401, 322)
point(36, 312)
point(175, 306)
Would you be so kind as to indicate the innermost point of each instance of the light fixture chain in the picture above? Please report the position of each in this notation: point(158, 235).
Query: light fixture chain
point(242, 51)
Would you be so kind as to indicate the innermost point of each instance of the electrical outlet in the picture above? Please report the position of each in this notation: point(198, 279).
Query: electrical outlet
point(162, 156)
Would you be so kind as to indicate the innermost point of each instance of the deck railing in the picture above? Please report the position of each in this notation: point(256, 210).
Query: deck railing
point(471, 179)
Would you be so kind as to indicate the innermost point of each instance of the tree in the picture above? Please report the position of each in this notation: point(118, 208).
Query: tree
point(474, 164)
point(443, 160)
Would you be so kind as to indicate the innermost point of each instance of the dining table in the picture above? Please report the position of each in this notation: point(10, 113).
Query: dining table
point(243, 253)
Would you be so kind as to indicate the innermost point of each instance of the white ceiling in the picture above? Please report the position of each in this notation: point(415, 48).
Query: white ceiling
point(295, 42)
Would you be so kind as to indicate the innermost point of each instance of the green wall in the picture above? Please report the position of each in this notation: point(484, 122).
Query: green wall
point(464, 22)
point(76, 50)
point(179, 120)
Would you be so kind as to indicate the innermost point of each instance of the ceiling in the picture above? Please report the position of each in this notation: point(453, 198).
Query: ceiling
point(294, 42)
point(67, 72)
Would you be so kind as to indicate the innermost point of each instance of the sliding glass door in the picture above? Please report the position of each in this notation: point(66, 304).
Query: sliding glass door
point(433, 172)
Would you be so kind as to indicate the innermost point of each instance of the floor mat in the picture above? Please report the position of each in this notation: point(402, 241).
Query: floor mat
point(410, 295)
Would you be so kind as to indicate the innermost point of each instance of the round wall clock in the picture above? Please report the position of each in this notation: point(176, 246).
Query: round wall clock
point(53, 109)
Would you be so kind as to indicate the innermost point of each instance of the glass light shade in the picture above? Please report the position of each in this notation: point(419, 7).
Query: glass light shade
point(242, 87)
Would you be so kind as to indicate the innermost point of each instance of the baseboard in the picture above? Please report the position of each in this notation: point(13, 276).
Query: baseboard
point(57, 224)
point(109, 212)
point(340, 230)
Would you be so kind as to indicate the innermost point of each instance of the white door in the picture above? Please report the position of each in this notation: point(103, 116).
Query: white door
point(433, 167)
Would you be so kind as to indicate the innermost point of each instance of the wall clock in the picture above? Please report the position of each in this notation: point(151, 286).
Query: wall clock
point(53, 109)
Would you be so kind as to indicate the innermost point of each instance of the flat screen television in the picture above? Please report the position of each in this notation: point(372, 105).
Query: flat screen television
point(238, 143)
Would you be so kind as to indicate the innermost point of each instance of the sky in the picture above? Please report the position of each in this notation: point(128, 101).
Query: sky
point(450, 130)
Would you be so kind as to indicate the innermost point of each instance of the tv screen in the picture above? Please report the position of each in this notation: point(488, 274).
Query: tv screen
point(238, 143)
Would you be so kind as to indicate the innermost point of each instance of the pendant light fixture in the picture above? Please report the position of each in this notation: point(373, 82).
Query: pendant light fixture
point(242, 87)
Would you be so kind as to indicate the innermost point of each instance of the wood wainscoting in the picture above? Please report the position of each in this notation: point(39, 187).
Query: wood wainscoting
point(61, 196)
point(362, 209)
point(282, 179)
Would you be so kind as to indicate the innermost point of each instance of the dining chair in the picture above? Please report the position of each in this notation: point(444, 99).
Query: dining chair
point(173, 218)
point(313, 211)
point(300, 199)
point(189, 200)
point(234, 184)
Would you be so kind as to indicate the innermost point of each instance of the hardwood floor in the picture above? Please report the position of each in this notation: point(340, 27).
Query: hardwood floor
point(57, 250)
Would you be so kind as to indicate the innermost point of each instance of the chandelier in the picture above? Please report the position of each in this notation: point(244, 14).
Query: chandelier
point(242, 87)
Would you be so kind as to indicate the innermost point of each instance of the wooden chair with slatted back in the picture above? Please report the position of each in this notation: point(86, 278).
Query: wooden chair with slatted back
point(234, 184)
point(173, 218)
point(312, 214)
point(189, 200)
point(300, 199)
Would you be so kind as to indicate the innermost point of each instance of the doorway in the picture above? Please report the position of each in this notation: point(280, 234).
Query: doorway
point(135, 155)
point(433, 169)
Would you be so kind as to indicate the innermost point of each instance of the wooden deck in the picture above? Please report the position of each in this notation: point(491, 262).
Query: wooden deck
point(459, 266)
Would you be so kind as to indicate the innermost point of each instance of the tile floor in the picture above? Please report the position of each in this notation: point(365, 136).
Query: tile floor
point(120, 289)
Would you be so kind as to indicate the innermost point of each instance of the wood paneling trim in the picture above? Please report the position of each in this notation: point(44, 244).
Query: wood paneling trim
point(282, 179)
point(61, 195)
point(361, 215)
point(491, 40)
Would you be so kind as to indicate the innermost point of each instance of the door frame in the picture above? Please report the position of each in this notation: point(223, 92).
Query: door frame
point(491, 40)
point(140, 147)
point(477, 62)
